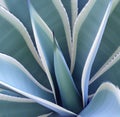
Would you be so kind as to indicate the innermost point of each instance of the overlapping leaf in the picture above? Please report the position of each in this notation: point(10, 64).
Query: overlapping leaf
point(65, 83)
point(16, 42)
point(105, 103)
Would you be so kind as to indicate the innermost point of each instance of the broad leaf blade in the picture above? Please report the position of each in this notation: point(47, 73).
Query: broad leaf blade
point(16, 42)
point(111, 75)
point(43, 102)
point(24, 81)
point(65, 83)
point(15, 8)
point(53, 13)
point(84, 33)
point(92, 54)
point(9, 92)
point(44, 42)
point(105, 103)
point(16, 106)
point(110, 41)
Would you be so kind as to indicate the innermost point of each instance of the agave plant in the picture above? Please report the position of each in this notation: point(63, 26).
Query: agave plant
point(59, 58)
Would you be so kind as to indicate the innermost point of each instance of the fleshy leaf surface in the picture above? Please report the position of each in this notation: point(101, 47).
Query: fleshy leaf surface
point(24, 81)
point(84, 33)
point(110, 41)
point(53, 13)
point(65, 82)
point(105, 103)
point(31, 90)
point(16, 42)
point(16, 106)
point(91, 56)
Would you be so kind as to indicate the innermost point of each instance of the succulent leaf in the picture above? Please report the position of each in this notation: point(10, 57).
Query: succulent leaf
point(71, 7)
point(108, 44)
point(19, 45)
point(68, 91)
point(16, 106)
point(10, 68)
point(105, 103)
point(44, 43)
point(90, 18)
point(91, 56)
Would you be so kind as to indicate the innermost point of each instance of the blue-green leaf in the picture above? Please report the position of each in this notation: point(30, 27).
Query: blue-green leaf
point(54, 14)
point(26, 85)
point(84, 33)
point(108, 72)
point(9, 92)
point(71, 7)
point(92, 54)
point(16, 106)
point(44, 42)
point(110, 41)
point(12, 73)
point(15, 8)
point(105, 103)
point(65, 83)
point(16, 42)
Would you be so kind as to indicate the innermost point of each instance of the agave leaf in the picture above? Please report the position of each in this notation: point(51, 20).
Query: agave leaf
point(71, 7)
point(24, 81)
point(52, 106)
point(92, 54)
point(53, 13)
point(63, 76)
point(19, 45)
point(90, 19)
point(110, 41)
point(10, 68)
point(16, 106)
point(15, 8)
point(44, 42)
point(9, 92)
point(111, 75)
point(105, 103)
point(109, 45)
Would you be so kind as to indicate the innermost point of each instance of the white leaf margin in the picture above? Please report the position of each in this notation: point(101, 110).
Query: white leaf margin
point(23, 31)
point(64, 17)
point(21, 67)
point(46, 29)
point(41, 101)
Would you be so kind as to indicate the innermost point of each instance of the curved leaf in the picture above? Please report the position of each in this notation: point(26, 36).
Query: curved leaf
point(53, 13)
point(10, 93)
point(16, 106)
point(84, 33)
point(65, 83)
point(15, 8)
point(60, 110)
point(92, 54)
point(10, 68)
point(112, 75)
point(71, 7)
point(16, 42)
point(24, 81)
point(44, 42)
point(110, 41)
point(105, 103)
